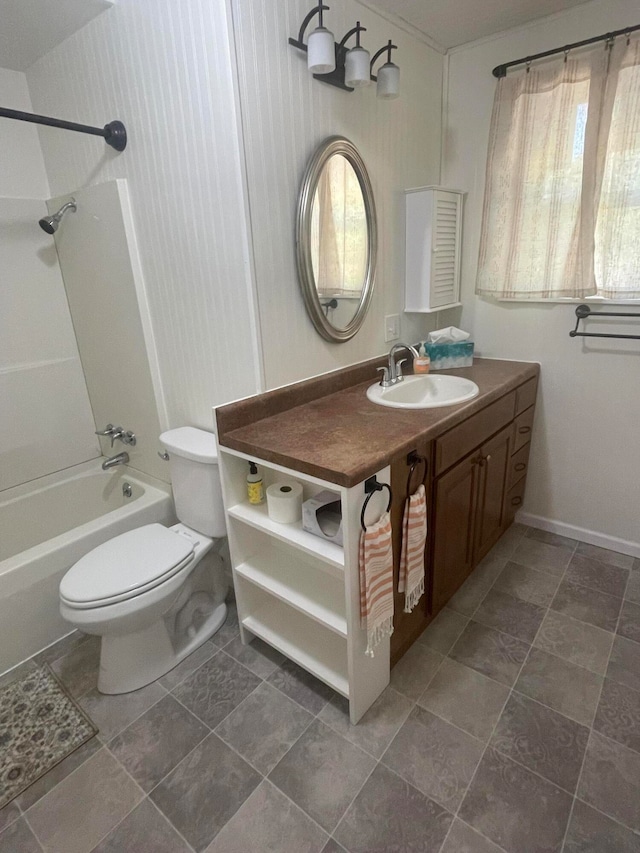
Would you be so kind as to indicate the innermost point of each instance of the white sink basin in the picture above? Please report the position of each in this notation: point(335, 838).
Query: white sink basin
point(424, 392)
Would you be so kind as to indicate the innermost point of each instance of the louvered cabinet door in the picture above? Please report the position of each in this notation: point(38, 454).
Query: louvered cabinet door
point(432, 256)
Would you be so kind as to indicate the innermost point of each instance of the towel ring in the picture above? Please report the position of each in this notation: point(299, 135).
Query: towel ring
point(415, 459)
point(372, 486)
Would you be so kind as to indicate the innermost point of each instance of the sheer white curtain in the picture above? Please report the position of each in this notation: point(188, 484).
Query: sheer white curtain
point(561, 212)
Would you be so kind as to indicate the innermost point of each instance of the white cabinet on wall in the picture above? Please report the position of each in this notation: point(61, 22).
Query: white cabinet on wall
point(432, 256)
point(301, 593)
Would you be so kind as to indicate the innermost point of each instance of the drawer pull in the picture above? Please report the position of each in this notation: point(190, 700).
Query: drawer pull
point(520, 466)
point(523, 430)
point(516, 501)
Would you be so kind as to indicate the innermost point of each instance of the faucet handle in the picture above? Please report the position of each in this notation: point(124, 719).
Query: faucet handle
point(399, 376)
point(108, 430)
point(386, 377)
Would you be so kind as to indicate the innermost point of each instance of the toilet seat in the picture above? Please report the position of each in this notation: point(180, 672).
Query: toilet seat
point(126, 566)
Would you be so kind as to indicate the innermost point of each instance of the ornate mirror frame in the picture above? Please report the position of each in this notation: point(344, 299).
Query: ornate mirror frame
point(327, 149)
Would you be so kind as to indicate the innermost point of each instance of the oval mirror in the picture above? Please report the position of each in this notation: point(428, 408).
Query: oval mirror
point(336, 239)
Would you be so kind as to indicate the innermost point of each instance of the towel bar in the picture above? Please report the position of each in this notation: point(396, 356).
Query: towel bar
point(583, 312)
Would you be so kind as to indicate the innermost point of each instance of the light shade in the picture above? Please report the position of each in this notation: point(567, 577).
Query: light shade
point(356, 67)
point(388, 81)
point(321, 51)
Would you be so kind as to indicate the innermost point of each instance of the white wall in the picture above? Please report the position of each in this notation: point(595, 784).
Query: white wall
point(97, 248)
point(45, 418)
point(586, 468)
point(286, 114)
point(165, 69)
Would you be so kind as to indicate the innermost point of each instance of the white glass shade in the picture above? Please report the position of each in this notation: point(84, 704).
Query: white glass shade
point(388, 81)
point(321, 52)
point(356, 67)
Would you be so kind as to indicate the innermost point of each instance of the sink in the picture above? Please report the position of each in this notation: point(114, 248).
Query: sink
point(424, 392)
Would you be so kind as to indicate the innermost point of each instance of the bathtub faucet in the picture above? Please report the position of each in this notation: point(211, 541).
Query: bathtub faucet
point(118, 459)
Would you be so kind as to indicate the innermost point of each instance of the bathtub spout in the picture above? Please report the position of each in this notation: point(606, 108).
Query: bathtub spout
point(118, 459)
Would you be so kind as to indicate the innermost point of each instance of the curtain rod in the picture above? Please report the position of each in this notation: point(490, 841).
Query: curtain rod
point(114, 133)
point(501, 70)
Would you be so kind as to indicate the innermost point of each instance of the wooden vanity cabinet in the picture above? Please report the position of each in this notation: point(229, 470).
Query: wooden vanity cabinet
point(481, 470)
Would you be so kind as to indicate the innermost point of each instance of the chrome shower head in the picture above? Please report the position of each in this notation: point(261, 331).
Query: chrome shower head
point(50, 223)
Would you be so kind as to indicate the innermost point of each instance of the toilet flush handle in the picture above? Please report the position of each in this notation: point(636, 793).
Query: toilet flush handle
point(164, 456)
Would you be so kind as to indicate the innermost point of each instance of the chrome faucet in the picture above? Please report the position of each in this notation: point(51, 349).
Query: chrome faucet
point(118, 432)
point(393, 373)
point(118, 459)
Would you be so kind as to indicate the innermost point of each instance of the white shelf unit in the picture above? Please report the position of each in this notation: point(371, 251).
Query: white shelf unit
point(433, 236)
point(299, 592)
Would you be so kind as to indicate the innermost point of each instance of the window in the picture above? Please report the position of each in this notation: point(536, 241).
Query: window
point(561, 213)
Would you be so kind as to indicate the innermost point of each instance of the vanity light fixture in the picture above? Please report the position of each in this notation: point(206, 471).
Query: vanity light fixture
point(388, 79)
point(347, 68)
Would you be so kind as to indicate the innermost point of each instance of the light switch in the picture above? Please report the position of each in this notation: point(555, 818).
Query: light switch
point(391, 327)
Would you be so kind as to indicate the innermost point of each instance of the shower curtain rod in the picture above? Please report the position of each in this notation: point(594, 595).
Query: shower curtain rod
point(114, 133)
point(501, 70)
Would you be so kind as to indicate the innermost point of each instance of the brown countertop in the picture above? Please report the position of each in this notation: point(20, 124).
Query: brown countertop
point(341, 436)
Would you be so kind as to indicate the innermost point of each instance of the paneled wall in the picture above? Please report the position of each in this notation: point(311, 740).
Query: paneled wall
point(586, 470)
point(45, 418)
point(165, 69)
point(286, 114)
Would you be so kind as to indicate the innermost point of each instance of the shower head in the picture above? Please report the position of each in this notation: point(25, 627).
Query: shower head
point(50, 223)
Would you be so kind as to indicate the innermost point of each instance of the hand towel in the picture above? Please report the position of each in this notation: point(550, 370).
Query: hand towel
point(414, 538)
point(376, 582)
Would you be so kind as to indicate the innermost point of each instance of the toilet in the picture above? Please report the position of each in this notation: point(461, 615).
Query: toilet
point(155, 594)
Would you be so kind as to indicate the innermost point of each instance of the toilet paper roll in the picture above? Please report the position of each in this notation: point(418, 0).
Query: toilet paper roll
point(284, 502)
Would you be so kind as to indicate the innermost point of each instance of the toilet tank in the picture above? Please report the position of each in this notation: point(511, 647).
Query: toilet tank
point(195, 479)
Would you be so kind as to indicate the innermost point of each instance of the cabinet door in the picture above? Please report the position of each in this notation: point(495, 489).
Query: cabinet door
point(455, 502)
point(494, 469)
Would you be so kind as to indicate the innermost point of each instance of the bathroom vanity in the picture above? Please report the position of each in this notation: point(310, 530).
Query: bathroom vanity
point(301, 593)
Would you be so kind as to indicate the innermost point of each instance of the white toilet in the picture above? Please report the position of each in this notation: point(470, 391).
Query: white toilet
point(148, 593)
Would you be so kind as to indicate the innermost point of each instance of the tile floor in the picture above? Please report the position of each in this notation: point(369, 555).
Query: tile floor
point(512, 725)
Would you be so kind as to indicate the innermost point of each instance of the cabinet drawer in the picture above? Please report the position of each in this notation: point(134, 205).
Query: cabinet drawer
point(518, 465)
point(513, 501)
point(522, 427)
point(526, 395)
point(460, 440)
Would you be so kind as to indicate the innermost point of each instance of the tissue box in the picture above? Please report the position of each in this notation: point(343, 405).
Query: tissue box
point(322, 516)
point(449, 356)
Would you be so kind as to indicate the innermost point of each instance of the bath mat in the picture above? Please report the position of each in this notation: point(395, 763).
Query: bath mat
point(40, 725)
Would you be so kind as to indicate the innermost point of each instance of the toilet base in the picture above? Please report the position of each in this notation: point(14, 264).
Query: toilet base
point(132, 661)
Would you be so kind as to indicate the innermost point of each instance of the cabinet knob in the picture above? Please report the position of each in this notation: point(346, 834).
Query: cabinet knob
point(487, 458)
point(523, 430)
point(516, 501)
point(520, 466)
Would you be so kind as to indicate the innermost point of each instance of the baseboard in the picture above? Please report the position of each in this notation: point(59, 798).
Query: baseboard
point(592, 537)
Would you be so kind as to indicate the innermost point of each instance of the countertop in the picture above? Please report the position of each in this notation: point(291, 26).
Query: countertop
point(341, 436)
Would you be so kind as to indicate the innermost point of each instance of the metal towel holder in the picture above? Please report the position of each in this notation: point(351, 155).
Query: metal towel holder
point(371, 486)
point(583, 312)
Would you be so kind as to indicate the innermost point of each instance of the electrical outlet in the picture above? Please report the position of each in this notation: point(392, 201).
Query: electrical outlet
point(391, 327)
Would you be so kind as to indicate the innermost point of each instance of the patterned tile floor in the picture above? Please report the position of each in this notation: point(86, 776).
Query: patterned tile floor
point(512, 725)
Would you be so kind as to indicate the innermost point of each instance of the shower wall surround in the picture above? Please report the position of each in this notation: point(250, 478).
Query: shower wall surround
point(45, 417)
point(103, 278)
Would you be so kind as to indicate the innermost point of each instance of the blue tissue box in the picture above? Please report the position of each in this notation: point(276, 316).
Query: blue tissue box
point(450, 356)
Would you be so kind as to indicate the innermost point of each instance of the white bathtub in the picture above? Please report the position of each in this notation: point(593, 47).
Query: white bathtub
point(45, 527)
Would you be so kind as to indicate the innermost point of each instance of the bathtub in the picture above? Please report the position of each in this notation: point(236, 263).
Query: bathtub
point(45, 527)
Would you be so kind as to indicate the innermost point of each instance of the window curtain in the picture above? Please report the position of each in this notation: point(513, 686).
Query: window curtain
point(561, 214)
point(338, 231)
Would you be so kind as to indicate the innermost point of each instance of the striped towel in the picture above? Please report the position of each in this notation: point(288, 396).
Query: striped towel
point(414, 538)
point(376, 582)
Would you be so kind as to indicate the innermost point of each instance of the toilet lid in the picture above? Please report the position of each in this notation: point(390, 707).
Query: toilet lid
point(126, 566)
